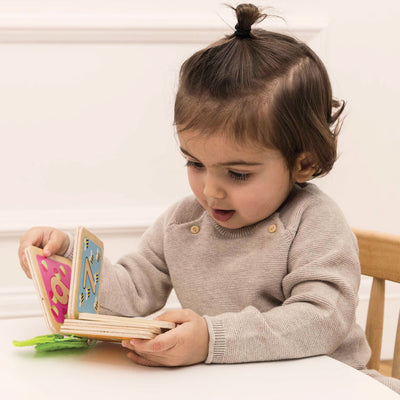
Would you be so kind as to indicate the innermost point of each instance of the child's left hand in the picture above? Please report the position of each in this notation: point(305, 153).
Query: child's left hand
point(184, 345)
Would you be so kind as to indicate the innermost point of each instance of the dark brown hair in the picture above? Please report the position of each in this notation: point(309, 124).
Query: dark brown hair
point(263, 88)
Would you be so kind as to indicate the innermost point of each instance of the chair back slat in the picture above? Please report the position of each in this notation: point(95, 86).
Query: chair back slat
point(396, 355)
point(379, 258)
point(379, 254)
point(374, 325)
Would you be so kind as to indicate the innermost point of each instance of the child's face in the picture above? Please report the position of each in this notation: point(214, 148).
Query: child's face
point(237, 185)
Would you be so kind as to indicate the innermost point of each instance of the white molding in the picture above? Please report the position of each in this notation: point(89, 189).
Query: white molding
point(19, 302)
point(20, 28)
point(15, 223)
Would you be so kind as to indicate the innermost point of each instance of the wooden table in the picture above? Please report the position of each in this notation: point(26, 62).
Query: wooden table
point(104, 372)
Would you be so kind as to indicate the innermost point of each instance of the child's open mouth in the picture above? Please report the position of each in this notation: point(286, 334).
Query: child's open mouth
point(222, 215)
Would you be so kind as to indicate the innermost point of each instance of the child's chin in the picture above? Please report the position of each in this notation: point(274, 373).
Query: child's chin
point(230, 224)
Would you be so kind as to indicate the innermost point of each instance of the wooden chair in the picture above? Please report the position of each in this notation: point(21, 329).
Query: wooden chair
point(380, 259)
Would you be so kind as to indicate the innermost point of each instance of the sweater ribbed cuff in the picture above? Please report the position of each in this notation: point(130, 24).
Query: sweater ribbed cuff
point(217, 342)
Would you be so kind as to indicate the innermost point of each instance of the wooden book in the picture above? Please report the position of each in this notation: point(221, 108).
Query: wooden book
point(69, 294)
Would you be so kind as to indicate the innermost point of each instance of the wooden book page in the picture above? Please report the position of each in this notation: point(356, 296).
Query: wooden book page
point(86, 273)
point(51, 277)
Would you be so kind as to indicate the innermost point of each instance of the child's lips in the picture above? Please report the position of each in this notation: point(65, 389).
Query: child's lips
point(222, 215)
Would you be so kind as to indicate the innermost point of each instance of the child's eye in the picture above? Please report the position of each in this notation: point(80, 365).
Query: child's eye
point(237, 176)
point(194, 164)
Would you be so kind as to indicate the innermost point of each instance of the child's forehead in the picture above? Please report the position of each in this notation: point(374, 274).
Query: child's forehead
point(198, 140)
point(222, 149)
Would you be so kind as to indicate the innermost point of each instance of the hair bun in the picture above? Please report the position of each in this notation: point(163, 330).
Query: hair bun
point(247, 15)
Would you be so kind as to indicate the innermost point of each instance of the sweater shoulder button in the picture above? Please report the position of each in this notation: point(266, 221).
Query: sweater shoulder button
point(194, 229)
point(272, 228)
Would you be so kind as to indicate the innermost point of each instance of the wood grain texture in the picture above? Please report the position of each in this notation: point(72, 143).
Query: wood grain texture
point(379, 258)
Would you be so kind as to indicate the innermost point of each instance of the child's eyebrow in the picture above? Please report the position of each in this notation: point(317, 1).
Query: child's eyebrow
point(226, 163)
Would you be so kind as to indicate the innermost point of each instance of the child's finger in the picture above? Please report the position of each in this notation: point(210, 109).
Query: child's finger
point(177, 316)
point(56, 244)
point(163, 342)
point(25, 266)
point(137, 359)
point(25, 242)
point(127, 344)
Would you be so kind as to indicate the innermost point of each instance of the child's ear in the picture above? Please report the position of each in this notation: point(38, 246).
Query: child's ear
point(304, 168)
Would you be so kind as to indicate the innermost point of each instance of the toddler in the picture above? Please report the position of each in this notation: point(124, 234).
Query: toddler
point(263, 262)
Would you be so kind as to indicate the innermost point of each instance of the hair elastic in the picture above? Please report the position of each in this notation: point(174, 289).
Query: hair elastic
point(243, 33)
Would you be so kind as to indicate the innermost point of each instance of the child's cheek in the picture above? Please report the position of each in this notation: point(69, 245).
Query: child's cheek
point(196, 185)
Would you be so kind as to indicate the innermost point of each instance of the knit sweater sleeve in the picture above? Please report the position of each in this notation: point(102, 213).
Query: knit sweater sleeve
point(320, 291)
point(139, 283)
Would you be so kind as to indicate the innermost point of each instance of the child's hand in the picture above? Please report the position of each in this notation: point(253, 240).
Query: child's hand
point(51, 240)
point(185, 345)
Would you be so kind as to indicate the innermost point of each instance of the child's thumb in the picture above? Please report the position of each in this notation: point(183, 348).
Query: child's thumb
point(57, 244)
point(49, 250)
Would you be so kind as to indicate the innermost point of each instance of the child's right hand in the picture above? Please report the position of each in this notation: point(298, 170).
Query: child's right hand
point(51, 240)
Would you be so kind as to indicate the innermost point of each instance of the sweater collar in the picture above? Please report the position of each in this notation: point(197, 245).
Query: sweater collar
point(247, 230)
point(235, 233)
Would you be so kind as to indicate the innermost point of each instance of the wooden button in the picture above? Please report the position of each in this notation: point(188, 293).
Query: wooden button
point(272, 228)
point(195, 229)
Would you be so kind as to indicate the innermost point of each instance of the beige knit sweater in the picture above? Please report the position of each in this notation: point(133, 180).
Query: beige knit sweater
point(284, 288)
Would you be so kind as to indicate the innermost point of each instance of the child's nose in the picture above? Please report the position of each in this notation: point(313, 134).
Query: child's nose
point(213, 190)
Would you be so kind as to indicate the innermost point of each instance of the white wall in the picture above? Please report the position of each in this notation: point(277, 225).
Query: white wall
point(86, 101)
